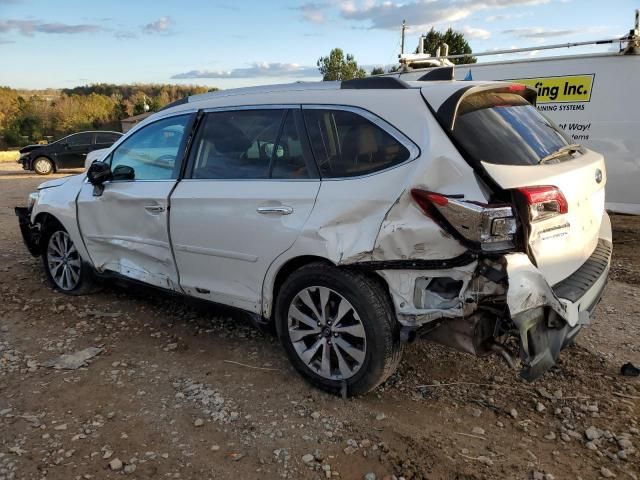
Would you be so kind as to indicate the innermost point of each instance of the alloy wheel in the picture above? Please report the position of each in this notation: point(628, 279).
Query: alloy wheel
point(42, 166)
point(63, 261)
point(327, 333)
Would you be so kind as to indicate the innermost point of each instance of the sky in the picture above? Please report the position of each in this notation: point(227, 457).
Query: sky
point(227, 44)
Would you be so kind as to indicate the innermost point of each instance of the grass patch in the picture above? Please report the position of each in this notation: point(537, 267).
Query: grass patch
point(9, 156)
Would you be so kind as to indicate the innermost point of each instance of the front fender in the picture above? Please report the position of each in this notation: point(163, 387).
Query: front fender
point(60, 203)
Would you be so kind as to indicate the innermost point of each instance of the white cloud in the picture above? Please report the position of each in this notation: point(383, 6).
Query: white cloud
point(541, 33)
point(538, 32)
point(31, 27)
point(478, 33)
point(125, 35)
point(256, 70)
point(388, 14)
point(313, 12)
point(504, 16)
point(162, 25)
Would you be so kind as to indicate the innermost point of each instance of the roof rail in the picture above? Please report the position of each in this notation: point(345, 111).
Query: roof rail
point(442, 73)
point(374, 83)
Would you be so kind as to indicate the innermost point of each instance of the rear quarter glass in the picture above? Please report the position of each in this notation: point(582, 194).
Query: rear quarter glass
point(504, 128)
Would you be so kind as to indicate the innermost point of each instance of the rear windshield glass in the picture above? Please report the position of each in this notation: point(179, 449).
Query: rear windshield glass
point(504, 128)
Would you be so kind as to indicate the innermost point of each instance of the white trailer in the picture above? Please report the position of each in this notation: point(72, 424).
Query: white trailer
point(594, 98)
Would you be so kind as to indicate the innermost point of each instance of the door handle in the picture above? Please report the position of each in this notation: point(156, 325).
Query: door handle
point(154, 208)
point(281, 210)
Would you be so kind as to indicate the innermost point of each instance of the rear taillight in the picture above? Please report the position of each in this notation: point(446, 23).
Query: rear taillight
point(544, 201)
point(489, 228)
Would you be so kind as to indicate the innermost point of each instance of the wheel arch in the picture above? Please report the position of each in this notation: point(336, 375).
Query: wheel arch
point(276, 275)
point(46, 221)
point(270, 293)
point(48, 157)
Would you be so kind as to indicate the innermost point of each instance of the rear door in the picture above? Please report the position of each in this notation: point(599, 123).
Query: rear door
point(74, 149)
point(104, 140)
point(559, 186)
point(249, 189)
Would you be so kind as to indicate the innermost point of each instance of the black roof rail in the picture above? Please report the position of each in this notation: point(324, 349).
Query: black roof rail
point(439, 73)
point(175, 104)
point(374, 83)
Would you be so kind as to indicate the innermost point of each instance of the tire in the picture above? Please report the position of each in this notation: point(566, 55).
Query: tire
point(358, 315)
point(43, 166)
point(59, 255)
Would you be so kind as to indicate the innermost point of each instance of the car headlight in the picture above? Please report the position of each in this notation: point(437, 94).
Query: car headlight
point(33, 199)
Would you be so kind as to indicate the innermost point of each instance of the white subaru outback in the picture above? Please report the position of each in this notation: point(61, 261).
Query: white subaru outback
point(353, 216)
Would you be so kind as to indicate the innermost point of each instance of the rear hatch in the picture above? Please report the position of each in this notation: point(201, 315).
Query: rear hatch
point(557, 186)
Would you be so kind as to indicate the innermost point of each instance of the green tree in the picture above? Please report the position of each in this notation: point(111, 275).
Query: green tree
point(9, 105)
point(27, 116)
point(336, 66)
point(377, 71)
point(456, 41)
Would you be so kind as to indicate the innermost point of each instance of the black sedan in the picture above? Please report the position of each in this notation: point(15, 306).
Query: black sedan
point(68, 152)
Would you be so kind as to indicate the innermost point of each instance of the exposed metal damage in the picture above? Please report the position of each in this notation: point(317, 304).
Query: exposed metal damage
point(472, 302)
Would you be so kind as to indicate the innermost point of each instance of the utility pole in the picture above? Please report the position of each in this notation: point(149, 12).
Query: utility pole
point(404, 27)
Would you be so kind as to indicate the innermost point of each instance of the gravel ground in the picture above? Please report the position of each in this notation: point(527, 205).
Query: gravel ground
point(181, 389)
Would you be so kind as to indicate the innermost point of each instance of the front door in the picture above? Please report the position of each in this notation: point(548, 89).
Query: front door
point(74, 149)
point(126, 227)
point(250, 188)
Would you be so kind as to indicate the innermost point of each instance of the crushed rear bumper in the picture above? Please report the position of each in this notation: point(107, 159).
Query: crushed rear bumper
point(548, 318)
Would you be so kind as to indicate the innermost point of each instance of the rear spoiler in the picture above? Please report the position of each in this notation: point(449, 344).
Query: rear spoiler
point(448, 111)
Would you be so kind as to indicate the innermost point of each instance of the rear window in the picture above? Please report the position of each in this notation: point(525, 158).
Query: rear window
point(346, 144)
point(103, 137)
point(504, 128)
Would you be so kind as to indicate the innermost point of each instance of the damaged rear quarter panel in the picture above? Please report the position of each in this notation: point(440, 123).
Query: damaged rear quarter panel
point(373, 218)
point(406, 232)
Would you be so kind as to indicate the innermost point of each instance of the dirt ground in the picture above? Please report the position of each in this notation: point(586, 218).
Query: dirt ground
point(192, 391)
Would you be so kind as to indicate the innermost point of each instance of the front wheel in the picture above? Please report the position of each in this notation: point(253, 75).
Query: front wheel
point(63, 266)
point(338, 329)
point(43, 166)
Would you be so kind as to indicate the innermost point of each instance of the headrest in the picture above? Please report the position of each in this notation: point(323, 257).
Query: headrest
point(226, 136)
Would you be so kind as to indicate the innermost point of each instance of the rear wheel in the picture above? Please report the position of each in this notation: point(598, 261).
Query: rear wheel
point(338, 328)
point(63, 265)
point(43, 166)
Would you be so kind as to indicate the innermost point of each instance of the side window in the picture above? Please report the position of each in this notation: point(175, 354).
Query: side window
point(346, 144)
point(236, 144)
point(152, 152)
point(106, 138)
point(80, 139)
point(288, 158)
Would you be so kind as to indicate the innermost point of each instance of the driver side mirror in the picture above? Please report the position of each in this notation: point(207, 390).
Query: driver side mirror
point(123, 172)
point(98, 173)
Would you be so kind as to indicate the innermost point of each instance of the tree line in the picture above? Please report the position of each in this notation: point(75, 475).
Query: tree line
point(28, 117)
